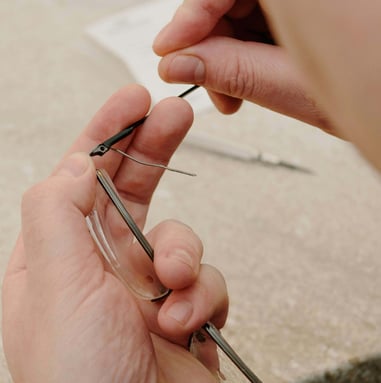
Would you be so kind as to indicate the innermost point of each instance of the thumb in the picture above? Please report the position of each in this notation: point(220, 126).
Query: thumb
point(252, 71)
point(56, 240)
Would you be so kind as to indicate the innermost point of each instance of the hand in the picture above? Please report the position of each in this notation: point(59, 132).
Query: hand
point(65, 317)
point(226, 47)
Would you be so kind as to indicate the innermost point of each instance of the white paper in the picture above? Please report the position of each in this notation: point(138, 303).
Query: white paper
point(129, 35)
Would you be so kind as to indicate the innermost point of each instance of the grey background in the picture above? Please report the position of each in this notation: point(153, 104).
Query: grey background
point(300, 253)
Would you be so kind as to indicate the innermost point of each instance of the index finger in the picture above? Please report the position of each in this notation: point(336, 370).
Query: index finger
point(154, 143)
point(192, 22)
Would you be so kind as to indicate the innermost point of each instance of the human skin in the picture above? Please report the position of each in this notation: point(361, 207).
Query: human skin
point(229, 50)
point(325, 71)
point(66, 318)
point(335, 45)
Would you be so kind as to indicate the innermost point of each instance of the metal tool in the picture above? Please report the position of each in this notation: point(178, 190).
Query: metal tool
point(224, 148)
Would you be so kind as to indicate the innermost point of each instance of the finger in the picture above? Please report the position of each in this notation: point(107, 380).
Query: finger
point(186, 310)
point(192, 22)
point(177, 364)
point(178, 252)
point(242, 8)
point(126, 106)
point(257, 72)
point(155, 142)
point(224, 103)
point(250, 24)
point(17, 261)
point(58, 247)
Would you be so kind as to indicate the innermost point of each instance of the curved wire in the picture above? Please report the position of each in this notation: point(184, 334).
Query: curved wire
point(153, 164)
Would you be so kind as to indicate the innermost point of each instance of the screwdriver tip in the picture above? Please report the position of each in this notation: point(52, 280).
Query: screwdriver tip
point(296, 167)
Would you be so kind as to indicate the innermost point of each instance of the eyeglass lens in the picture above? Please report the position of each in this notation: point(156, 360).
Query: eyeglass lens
point(129, 261)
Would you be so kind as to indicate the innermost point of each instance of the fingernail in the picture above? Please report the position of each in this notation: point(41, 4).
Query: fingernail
point(75, 165)
point(180, 311)
point(189, 69)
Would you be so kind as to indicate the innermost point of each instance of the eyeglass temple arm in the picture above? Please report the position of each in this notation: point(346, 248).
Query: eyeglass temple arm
point(215, 334)
point(105, 146)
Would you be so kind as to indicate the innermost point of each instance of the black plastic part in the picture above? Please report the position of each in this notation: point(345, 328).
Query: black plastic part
point(105, 146)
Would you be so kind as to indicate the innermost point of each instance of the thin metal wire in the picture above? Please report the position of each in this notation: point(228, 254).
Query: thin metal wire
point(153, 164)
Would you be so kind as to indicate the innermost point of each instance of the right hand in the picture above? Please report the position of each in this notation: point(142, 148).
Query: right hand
point(227, 47)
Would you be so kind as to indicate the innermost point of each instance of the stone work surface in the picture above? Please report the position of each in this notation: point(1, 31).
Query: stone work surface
point(300, 253)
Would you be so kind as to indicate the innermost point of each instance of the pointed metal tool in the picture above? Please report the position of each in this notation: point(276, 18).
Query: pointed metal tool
point(227, 149)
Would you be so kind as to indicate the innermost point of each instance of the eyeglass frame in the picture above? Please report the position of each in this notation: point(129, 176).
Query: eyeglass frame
point(208, 327)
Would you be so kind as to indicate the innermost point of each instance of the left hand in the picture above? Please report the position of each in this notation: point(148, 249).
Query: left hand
point(65, 317)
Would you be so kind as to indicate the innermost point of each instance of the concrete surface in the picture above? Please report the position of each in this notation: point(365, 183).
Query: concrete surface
point(300, 253)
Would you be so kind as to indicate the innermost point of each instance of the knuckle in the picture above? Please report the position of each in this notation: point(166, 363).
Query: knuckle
point(213, 8)
point(179, 238)
point(38, 195)
point(211, 290)
point(31, 203)
point(32, 196)
point(212, 280)
point(240, 79)
point(176, 225)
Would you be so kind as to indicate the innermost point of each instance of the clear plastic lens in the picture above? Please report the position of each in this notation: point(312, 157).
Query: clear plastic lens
point(116, 243)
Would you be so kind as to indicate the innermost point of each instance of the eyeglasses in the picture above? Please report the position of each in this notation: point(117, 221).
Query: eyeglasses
point(114, 230)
